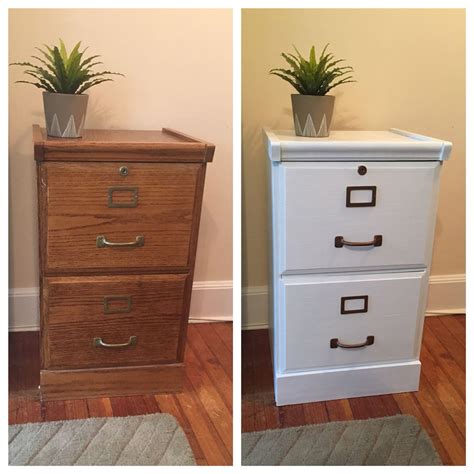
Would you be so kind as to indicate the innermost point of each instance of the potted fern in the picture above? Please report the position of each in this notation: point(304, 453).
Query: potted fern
point(64, 78)
point(313, 79)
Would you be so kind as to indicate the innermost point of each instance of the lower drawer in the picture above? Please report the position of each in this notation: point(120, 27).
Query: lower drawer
point(110, 321)
point(322, 314)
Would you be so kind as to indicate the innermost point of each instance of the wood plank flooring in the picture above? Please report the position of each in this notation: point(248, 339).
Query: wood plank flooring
point(439, 405)
point(203, 409)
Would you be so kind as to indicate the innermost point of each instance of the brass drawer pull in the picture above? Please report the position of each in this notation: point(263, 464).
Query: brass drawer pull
point(101, 242)
point(339, 242)
point(334, 343)
point(110, 309)
point(121, 189)
point(98, 342)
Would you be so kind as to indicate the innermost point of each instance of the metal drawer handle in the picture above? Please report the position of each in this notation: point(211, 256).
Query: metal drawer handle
point(101, 242)
point(340, 242)
point(98, 342)
point(334, 343)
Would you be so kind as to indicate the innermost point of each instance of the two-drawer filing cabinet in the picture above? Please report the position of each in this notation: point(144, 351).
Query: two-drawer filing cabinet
point(352, 220)
point(119, 217)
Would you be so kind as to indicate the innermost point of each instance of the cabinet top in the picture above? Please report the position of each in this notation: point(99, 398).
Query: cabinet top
point(350, 145)
point(164, 145)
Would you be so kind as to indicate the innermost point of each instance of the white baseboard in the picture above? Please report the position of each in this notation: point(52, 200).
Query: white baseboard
point(210, 301)
point(446, 295)
point(23, 309)
point(255, 307)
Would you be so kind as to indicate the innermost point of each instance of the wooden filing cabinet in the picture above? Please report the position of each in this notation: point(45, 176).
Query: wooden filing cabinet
point(119, 217)
point(352, 220)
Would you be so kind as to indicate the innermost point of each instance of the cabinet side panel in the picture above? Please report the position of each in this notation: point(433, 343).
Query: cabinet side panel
point(192, 259)
point(274, 189)
point(41, 187)
point(430, 233)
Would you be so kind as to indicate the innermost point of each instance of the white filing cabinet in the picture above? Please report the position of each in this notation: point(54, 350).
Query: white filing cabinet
point(352, 221)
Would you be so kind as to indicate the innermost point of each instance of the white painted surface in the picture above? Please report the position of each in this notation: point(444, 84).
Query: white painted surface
point(347, 382)
point(313, 212)
point(210, 301)
point(446, 295)
point(309, 274)
point(312, 317)
point(350, 145)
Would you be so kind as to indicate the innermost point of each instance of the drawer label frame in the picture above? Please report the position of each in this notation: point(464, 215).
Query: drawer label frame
point(125, 309)
point(365, 309)
point(134, 196)
point(370, 203)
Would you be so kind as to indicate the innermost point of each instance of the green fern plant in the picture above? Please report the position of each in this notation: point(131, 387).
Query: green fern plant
point(314, 77)
point(63, 73)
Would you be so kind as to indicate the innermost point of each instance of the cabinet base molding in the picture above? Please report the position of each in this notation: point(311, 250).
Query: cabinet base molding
point(333, 384)
point(113, 381)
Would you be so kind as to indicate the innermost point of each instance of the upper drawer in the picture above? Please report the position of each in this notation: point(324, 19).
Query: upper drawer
point(150, 209)
point(323, 210)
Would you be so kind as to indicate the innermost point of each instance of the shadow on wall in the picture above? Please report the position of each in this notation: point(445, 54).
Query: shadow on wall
point(100, 115)
point(344, 119)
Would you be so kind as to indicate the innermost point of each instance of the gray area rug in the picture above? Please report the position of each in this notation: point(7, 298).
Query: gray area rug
point(389, 441)
point(147, 440)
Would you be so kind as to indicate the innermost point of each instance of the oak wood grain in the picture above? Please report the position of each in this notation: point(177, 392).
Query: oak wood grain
point(77, 212)
point(113, 145)
point(198, 198)
point(75, 314)
point(71, 346)
point(116, 186)
point(91, 298)
point(203, 431)
point(111, 381)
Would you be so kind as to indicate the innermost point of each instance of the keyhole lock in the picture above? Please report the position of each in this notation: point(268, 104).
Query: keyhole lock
point(123, 170)
point(362, 170)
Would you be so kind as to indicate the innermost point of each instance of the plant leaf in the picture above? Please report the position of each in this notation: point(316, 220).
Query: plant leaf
point(88, 60)
point(40, 86)
point(56, 71)
point(314, 76)
point(63, 52)
point(61, 73)
point(88, 85)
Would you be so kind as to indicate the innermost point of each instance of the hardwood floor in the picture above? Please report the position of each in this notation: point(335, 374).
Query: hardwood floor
point(203, 409)
point(439, 405)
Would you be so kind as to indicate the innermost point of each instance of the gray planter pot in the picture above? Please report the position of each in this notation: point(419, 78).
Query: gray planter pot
point(65, 114)
point(312, 114)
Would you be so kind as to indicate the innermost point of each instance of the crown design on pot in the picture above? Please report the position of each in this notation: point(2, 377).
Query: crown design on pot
point(70, 131)
point(309, 130)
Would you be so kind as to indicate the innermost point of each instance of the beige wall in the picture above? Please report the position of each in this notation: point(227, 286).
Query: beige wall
point(178, 67)
point(410, 69)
